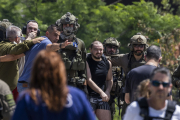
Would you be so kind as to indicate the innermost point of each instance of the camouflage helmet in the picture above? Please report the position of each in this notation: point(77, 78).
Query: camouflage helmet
point(138, 39)
point(111, 41)
point(3, 26)
point(68, 18)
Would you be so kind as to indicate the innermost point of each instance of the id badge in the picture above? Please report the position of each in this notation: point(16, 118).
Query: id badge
point(75, 44)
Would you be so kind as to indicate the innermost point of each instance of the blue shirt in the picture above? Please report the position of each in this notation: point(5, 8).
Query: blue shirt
point(30, 55)
point(76, 108)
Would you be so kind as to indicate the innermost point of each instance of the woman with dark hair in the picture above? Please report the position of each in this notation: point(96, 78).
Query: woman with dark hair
point(49, 97)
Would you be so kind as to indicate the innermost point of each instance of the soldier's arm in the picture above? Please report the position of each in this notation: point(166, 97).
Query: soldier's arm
point(57, 46)
point(83, 73)
point(93, 85)
point(7, 58)
point(117, 61)
point(176, 77)
point(20, 48)
point(109, 80)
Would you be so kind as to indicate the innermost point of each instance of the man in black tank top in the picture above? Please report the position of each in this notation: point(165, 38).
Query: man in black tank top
point(99, 70)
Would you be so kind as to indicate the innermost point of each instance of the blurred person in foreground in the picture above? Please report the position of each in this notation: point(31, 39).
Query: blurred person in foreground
point(7, 104)
point(142, 89)
point(49, 97)
point(157, 107)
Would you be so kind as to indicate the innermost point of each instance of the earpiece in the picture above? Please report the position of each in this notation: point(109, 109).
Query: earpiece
point(24, 29)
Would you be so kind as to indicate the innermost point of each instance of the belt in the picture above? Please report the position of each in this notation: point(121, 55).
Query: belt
point(22, 82)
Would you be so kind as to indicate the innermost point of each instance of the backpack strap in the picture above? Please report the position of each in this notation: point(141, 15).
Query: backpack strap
point(144, 111)
point(171, 107)
point(144, 108)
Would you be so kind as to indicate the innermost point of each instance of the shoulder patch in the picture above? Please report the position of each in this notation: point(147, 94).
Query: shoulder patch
point(10, 100)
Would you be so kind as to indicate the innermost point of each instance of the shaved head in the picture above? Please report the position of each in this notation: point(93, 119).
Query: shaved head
point(95, 43)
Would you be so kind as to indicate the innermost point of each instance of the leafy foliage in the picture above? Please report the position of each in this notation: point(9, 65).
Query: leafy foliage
point(99, 21)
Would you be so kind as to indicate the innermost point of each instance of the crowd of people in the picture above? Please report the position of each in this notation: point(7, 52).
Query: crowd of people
point(52, 76)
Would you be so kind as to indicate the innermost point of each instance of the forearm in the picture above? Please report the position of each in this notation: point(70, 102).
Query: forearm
point(93, 86)
point(7, 58)
point(127, 98)
point(53, 47)
point(109, 84)
point(116, 61)
point(21, 47)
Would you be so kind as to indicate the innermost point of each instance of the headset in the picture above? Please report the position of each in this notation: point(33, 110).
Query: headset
point(24, 29)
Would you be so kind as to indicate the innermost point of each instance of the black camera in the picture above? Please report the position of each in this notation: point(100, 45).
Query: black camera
point(67, 20)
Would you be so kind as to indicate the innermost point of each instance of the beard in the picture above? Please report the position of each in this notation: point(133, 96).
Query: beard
point(138, 53)
point(111, 53)
point(99, 57)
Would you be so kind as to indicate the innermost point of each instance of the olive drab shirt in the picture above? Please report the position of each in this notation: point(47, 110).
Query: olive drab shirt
point(9, 71)
point(7, 104)
point(123, 60)
point(76, 53)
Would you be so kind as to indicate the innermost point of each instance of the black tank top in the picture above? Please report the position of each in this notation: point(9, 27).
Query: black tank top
point(99, 71)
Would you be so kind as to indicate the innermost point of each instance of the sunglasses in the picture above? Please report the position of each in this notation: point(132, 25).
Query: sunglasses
point(138, 45)
point(111, 46)
point(157, 83)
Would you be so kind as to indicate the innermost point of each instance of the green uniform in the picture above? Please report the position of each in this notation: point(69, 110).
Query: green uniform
point(7, 104)
point(74, 57)
point(123, 61)
point(9, 70)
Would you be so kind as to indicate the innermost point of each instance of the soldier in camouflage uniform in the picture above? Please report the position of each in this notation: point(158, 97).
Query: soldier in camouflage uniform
point(138, 45)
point(111, 50)
point(7, 104)
point(73, 55)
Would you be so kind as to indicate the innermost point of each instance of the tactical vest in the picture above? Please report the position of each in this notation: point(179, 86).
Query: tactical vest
point(144, 110)
point(72, 57)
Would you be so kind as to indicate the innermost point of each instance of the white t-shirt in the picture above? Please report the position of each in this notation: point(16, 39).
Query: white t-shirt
point(133, 110)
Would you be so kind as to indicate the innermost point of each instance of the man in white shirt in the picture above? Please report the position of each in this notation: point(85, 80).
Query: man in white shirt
point(156, 107)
